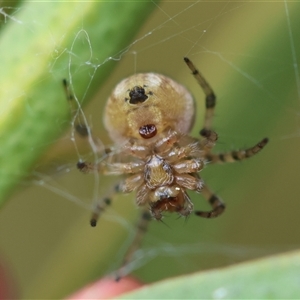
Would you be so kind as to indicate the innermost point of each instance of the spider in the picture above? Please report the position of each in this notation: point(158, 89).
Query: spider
point(149, 117)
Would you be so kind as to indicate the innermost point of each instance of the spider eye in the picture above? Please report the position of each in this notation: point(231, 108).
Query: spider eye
point(137, 95)
point(148, 131)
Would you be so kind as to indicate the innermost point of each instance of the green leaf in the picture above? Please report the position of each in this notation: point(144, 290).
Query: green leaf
point(40, 46)
point(276, 277)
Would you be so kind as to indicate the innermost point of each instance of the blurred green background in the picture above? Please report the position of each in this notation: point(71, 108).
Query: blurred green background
point(249, 53)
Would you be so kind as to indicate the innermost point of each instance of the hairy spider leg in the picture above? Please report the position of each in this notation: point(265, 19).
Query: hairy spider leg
point(99, 209)
point(141, 229)
point(210, 97)
point(210, 137)
point(215, 201)
point(237, 155)
point(80, 123)
point(84, 131)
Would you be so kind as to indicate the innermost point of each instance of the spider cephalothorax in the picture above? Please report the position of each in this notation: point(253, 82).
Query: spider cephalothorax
point(169, 167)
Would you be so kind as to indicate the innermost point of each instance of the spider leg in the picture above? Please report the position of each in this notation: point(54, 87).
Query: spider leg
point(110, 168)
point(209, 140)
point(210, 99)
point(237, 155)
point(101, 204)
point(98, 210)
point(126, 185)
point(80, 123)
point(216, 203)
point(80, 126)
point(141, 228)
